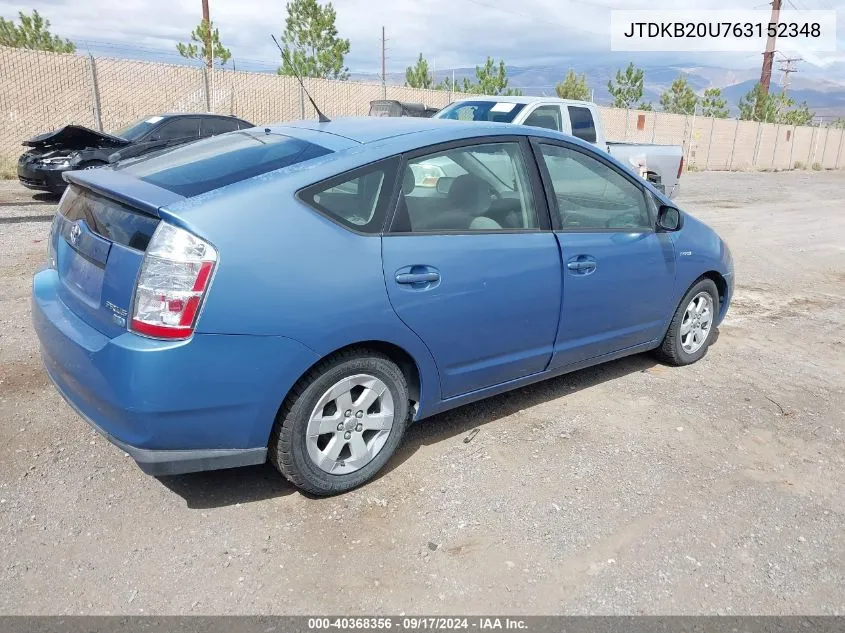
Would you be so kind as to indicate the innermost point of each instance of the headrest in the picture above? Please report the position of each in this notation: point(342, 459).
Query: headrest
point(408, 181)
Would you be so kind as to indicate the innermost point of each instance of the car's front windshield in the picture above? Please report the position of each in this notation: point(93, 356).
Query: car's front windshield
point(495, 111)
point(136, 130)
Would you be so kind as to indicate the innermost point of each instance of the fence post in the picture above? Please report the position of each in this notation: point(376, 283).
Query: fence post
point(839, 151)
point(710, 142)
point(301, 102)
point(757, 143)
point(811, 154)
point(824, 148)
point(691, 137)
point(95, 92)
point(205, 89)
point(792, 146)
point(777, 138)
point(733, 147)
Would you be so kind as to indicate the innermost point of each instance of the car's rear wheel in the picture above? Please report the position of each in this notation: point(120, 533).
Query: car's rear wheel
point(692, 326)
point(341, 422)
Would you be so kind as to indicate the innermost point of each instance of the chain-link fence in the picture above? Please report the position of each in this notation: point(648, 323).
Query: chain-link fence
point(42, 91)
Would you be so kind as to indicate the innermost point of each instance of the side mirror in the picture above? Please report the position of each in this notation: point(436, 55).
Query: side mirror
point(668, 218)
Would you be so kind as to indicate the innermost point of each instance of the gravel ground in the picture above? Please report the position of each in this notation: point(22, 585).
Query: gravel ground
point(627, 488)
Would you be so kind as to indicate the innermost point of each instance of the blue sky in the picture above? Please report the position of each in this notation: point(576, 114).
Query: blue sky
point(452, 33)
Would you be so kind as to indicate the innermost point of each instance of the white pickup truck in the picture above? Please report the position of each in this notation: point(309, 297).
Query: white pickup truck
point(660, 164)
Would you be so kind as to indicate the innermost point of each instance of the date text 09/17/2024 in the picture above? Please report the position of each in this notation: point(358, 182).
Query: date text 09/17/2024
point(418, 623)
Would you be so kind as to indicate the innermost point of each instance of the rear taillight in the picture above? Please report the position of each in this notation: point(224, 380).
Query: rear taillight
point(174, 277)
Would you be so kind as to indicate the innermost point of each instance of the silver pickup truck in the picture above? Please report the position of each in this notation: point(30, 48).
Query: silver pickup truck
point(660, 164)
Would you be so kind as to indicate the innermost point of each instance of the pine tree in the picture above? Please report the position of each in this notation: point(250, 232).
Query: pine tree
point(311, 41)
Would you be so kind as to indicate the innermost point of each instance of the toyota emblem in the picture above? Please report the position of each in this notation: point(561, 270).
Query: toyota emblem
point(75, 232)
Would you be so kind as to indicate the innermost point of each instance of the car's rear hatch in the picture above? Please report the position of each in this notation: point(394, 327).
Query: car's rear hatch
point(107, 217)
point(99, 242)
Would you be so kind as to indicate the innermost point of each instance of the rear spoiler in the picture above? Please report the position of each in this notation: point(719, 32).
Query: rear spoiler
point(128, 190)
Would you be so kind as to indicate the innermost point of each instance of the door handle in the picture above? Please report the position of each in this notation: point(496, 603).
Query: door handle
point(582, 265)
point(417, 278)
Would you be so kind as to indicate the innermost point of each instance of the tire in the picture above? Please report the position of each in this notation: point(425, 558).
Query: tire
point(293, 444)
point(672, 349)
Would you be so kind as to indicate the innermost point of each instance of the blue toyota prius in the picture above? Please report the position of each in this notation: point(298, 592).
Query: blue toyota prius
point(302, 292)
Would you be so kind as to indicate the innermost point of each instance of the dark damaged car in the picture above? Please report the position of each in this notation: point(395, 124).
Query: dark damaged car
point(75, 147)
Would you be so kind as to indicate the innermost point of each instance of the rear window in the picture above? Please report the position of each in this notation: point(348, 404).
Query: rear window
point(582, 124)
point(498, 112)
point(108, 219)
point(212, 163)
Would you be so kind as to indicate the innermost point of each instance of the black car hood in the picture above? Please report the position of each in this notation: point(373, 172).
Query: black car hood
point(75, 137)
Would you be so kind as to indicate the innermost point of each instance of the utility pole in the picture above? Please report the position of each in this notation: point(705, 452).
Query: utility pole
point(383, 66)
point(787, 67)
point(769, 55)
point(207, 20)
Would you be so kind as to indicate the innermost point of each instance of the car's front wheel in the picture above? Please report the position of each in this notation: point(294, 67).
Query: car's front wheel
point(341, 422)
point(692, 326)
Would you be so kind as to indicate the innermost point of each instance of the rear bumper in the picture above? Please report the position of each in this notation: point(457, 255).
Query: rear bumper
point(159, 463)
point(175, 407)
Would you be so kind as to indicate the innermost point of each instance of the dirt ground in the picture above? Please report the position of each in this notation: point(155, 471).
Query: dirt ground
point(627, 488)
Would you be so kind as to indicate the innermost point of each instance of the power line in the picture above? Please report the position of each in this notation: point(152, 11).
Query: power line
point(787, 68)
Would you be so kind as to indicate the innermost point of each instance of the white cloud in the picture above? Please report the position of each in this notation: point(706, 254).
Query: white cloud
point(452, 32)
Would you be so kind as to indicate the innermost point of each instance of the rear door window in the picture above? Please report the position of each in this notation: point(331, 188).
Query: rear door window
point(178, 129)
point(213, 126)
point(482, 187)
point(215, 162)
point(583, 125)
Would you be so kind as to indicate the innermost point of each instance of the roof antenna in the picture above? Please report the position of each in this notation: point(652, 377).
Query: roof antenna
point(322, 118)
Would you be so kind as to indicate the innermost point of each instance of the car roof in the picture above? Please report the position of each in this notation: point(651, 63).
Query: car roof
point(525, 100)
point(372, 129)
point(176, 115)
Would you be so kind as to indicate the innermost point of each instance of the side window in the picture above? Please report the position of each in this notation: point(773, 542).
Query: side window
point(592, 195)
point(356, 199)
point(213, 126)
point(547, 116)
point(177, 129)
point(583, 125)
point(474, 188)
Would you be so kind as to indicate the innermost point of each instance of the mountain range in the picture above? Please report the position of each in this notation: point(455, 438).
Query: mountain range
point(822, 88)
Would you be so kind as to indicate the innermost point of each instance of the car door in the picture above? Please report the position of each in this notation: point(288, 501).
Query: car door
point(618, 272)
point(470, 263)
